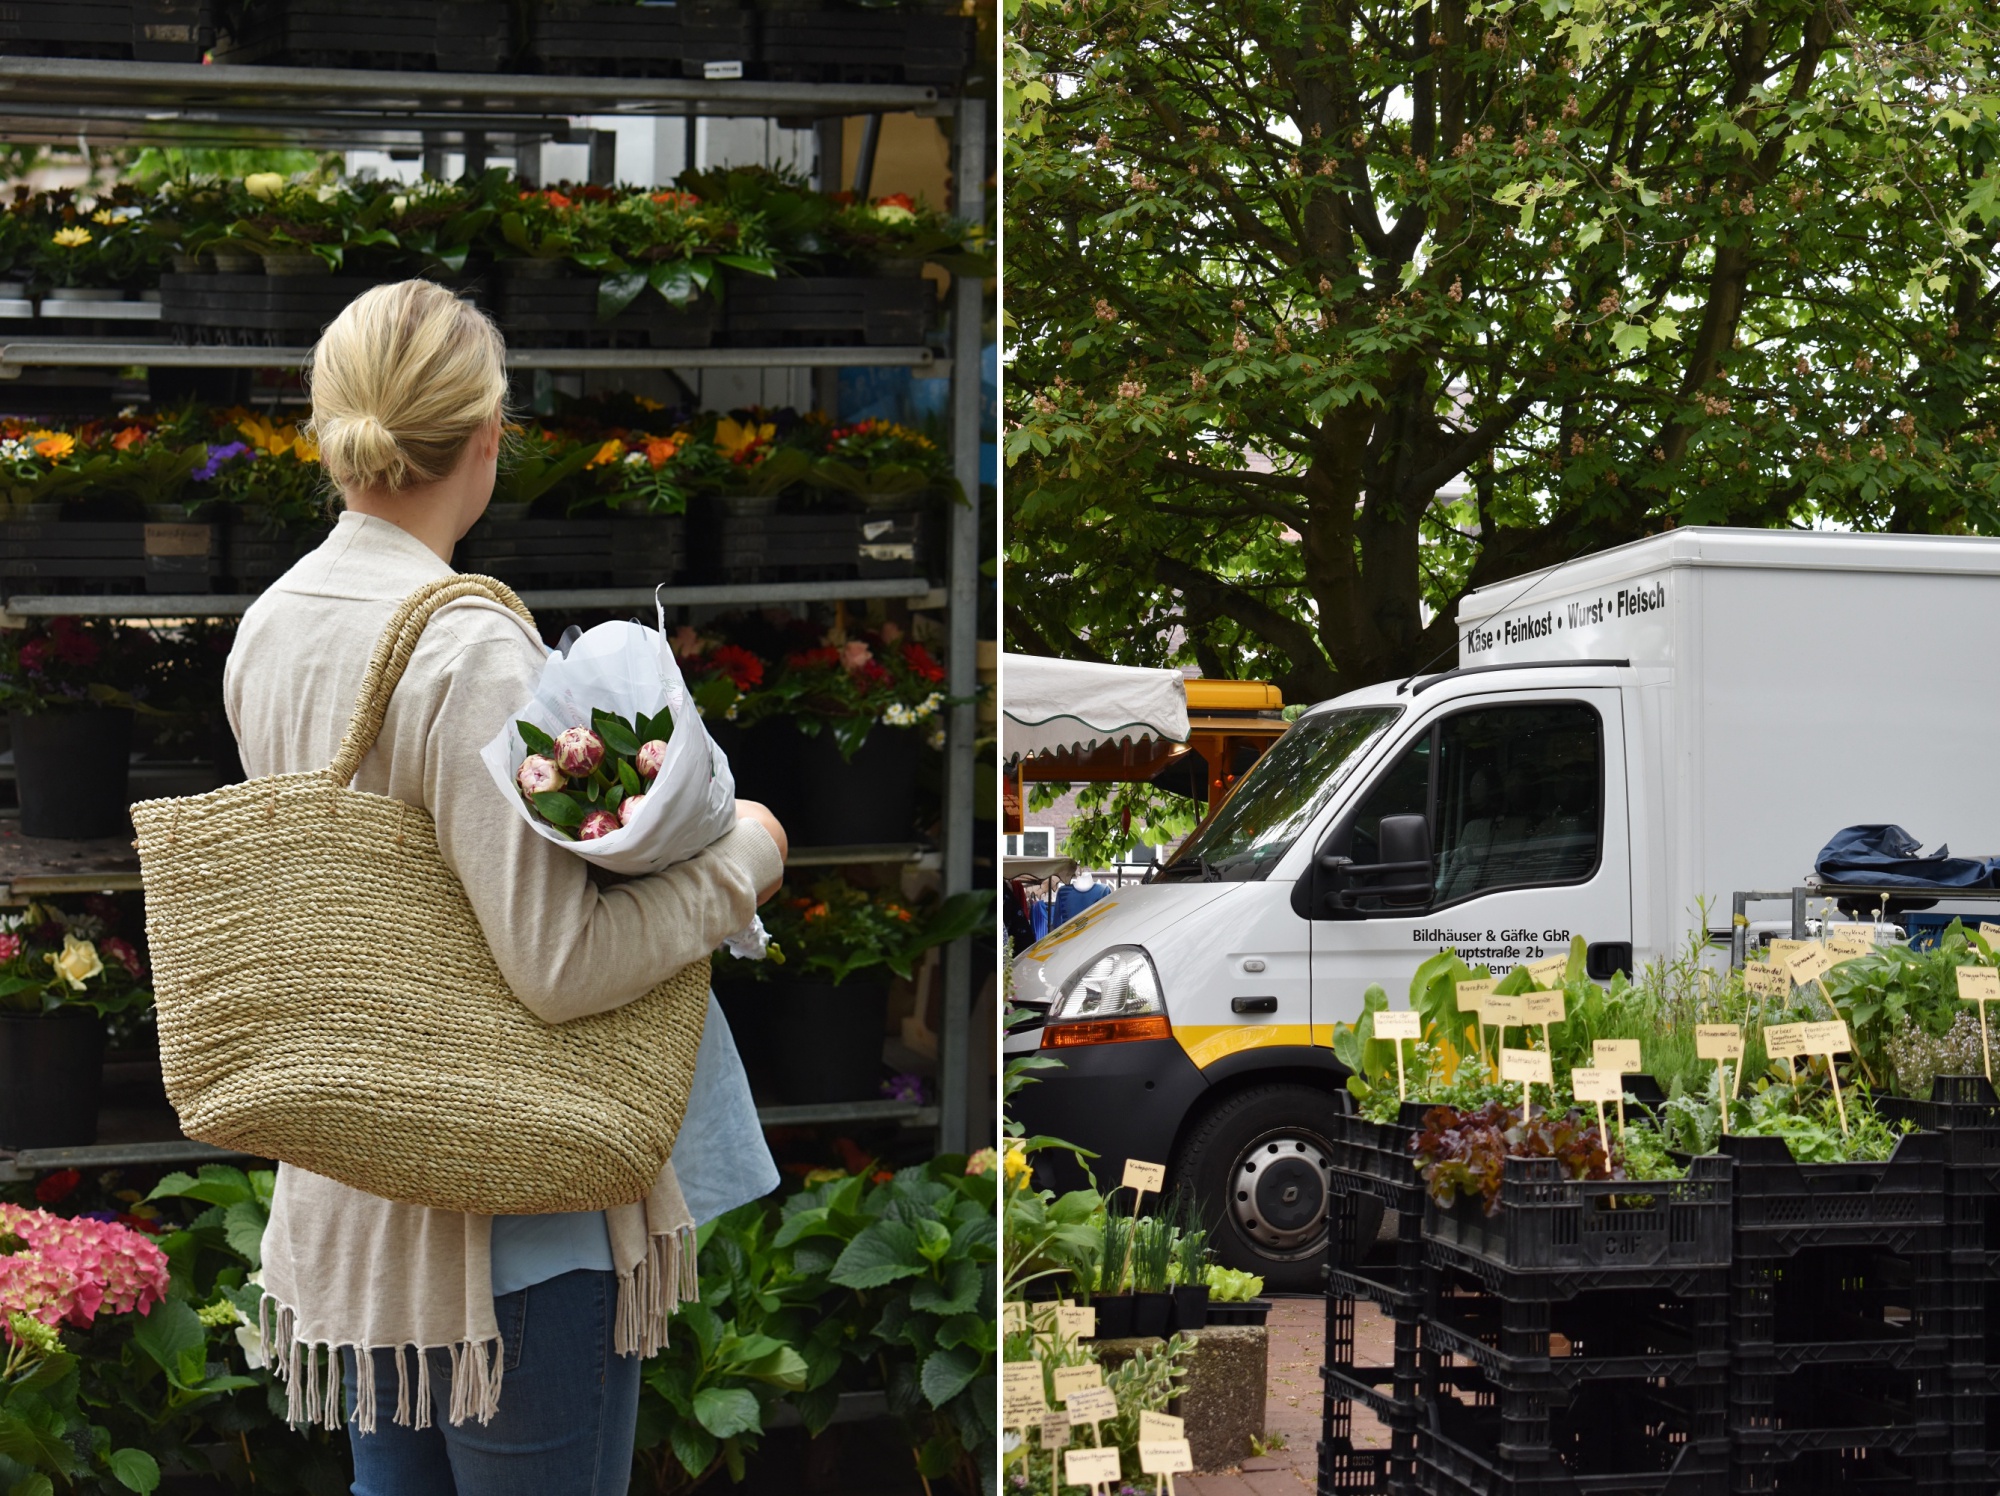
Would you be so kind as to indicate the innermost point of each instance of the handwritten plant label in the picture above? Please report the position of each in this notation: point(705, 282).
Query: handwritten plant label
point(1472, 993)
point(1979, 984)
point(1592, 1084)
point(1013, 1317)
point(1850, 942)
point(1161, 1426)
point(1055, 1430)
point(1504, 1012)
point(1784, 1041)
point(1718, 1041)
point(1990, 932)
point(1782, 951)
point(1071, 1380)
point(1768, 979)
point(1398, 1026)
point(1542, 1008)
point(1827, 1038)
point(1091, 1467)
point(1144, 1177)
point(1550, 972)
point(1089, 1404)
point(1618, 1055)
point(1076, 1322)
point(1021, 1401)
point(1042, 1317)
point(1165, 1457)
point(1810, 964)
point(1529, 1066)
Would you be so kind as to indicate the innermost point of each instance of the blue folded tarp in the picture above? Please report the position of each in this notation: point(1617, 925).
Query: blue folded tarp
point(1888, 857)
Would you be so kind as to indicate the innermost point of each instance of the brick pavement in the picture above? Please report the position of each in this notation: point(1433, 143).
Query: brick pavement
point(1292, 1402)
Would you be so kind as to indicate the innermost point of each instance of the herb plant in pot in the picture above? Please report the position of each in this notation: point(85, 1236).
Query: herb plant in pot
point(1113, 1303)
point(1152, 1257)
point(1188, 1274)
point(811, 1017)
point(71, 729)
point(60, 977)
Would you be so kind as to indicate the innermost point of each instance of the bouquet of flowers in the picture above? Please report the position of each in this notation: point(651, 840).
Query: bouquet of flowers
point(51, 959)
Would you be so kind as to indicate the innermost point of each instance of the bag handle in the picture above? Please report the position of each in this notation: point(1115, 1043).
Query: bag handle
point(392, 658)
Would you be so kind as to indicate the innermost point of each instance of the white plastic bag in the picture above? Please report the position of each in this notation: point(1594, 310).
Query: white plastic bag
point(629, 670)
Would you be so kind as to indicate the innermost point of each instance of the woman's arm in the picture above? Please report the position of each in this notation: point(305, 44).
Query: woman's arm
point(566, 946)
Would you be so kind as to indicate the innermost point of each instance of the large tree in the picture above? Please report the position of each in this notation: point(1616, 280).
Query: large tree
point(1281, 271)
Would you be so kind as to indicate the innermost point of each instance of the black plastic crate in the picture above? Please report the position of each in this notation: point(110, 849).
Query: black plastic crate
point(827, 310)
point(560, 311)
point(883, 46)
point(1544, 1346)
point(1855, 1472)
point(538, 552)
point(1582, 1229)
point(804, 547)
point(648, 550)
point(1783, 1206)
point(82, 556)
point(1389, 1392)
point(1375, 1157)
point(1962, 1107)
point(459, 36)
point(133, 30)
point(1775, 1416)
point(1842, 1305)
point(254, 555)
point(238, 309)
point(643, 41)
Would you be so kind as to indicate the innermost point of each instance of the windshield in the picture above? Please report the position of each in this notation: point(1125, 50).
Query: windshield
point(1281, 796)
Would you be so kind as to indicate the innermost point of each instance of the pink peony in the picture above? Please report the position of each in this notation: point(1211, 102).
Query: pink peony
point(651, 756)
point(578, 752)
point(537, 775)
point(628, 808)
point(597, 823)
point(686, 642)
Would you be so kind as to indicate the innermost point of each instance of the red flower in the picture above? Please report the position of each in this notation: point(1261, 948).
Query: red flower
point(921, 664)
point(901, 200)
point(71, 644)
point(10, 947)
point(57, 1186)
point(34, 655)
point(814, 659)
point(871, 675)
point(121, 951)
point(741, 666)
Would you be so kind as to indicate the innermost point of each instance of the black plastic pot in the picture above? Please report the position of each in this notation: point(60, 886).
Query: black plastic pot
point(1114, 1316)
point(1248, 1312)
point(73, 772)
point(811, 1042)
point(1190, 1306)
point(50, 1069)
point(764, 760)
point(1152, 1313)
point(863, 801)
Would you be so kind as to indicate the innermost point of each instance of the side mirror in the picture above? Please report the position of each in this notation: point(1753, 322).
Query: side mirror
point(1403, 876)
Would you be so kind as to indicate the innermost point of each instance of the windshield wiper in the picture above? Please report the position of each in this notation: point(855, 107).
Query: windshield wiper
point(1200, 866)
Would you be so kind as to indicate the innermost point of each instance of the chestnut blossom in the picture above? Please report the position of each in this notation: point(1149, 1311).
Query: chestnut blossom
point(578, 752)
point(538, 775)
point(651, 755)
point(597, 823)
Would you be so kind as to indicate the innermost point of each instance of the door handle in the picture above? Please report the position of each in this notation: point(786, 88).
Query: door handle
point(1253, 1005)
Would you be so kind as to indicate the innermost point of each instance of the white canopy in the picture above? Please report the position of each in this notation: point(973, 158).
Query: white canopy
point(1054, 705)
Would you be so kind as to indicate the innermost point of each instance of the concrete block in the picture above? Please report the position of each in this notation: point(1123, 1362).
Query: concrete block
point(1222, 1396)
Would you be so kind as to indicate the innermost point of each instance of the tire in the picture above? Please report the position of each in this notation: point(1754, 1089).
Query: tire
point(1258, 1162)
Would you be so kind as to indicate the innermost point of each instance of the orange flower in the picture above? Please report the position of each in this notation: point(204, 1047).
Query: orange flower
point(677, 199)
point(610, 452)
point(817, 912)
point(55, 445)
point(900, 912)
point(129, 438)
point(660, 450)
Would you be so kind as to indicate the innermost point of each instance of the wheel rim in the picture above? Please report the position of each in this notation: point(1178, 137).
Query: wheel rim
point(1279, 1191)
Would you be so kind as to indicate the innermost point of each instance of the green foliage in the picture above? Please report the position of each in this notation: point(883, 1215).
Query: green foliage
point(1898, 990)
point(1281, 272)
point(1229, 1285)
point(837, 930)
point(1111, 818)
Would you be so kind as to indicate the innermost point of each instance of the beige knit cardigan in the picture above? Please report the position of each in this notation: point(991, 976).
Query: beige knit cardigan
point(346, 1270)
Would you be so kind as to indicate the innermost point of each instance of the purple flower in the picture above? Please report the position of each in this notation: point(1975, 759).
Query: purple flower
point(904, 1087)
point(217, 456)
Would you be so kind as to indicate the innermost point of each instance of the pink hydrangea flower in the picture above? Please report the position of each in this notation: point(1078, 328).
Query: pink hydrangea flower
point(628, 808)
point(73, 1270)
point(578, 752)
point(597, 823)
point(538, 775)
point(651, 756)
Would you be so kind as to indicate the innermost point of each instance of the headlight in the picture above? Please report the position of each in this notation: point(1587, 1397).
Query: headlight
point(1121, 983)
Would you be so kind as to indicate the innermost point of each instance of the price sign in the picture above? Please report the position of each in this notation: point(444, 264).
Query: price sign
point(1990, 932)
point(1596, 1085)
point(1071, 1380)
point(1091, 1467)
point(1161, 1426)
point(1398, 1026)
point(1054, 1430)
point(1830, 1039)
point(1076, 1322)
point(1013, 1317)
point(1847, 942)
point(1542, 1008)
point(1090, 1404)
point(1529, 1066)
point(1504, 1012)
point(1621, 1055)
point(1472, 994)
point(1021, 1401)
point(1768, 979)
point(1144, 1177)
point(1165, 1457)
point(1042, 1317)
point(1980, 984)
point(1810, 964)
point(1787, 1042)
point(1782, 951)
point(1549, 973)
point(1718, 1041)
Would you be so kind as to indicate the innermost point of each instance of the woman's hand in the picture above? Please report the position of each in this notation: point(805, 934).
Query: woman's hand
point(751, 810)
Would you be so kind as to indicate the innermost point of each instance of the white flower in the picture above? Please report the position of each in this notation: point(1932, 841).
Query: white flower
point(399, 204)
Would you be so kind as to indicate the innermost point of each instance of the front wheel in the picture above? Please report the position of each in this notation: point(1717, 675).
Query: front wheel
point(1260, 1163)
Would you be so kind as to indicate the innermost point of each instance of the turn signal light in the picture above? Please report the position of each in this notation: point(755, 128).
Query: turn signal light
point(1109, 1031)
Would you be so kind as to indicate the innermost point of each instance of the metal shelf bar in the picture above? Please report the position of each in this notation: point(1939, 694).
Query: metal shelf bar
point(172, 86)
point(230, 604)
point(83, 353)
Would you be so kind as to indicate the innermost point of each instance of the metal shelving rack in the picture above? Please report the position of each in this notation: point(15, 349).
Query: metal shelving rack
point(58, 100)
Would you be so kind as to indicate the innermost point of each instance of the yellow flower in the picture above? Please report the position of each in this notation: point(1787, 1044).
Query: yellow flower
point(823, 1176)
point(72, 238)
point(611, 451)
point(1017, 1165)
point(78, 962)
point(55, 445)
point(734, 436)
point(104, 216)
point(264, 184)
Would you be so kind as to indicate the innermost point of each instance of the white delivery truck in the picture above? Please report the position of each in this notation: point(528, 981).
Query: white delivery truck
point(1623, 736)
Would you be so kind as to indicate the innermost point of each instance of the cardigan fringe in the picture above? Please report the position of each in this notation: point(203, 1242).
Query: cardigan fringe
point(658, 1284)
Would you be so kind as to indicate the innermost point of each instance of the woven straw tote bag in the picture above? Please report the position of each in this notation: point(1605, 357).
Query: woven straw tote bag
point(326, 997)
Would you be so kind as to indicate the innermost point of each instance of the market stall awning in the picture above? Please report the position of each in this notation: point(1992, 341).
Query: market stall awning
point(1057, 706)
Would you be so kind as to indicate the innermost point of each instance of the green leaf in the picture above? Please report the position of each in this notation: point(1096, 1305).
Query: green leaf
point(173, 1337)
point(534, 739)
point(616, 732)
point(617, 292)
point(886, 1251)
point(136, 1470)
point(243, 1226)
point(727, 1411)
point(558, 809)
point(933, 1240)
point(693, 1445)
point(946, 1373)
point(36, 1484)
point(628, 778)
point(217, 1184)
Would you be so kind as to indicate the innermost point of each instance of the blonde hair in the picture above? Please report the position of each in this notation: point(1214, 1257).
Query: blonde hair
point(400, 382)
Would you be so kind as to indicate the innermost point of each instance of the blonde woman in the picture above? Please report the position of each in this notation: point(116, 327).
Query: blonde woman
point(469, 1354)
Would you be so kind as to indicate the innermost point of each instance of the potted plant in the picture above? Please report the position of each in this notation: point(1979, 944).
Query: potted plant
point(265, 475)
point(70, 726)
point(99, 253)
point(884, 465)
point(1233, 1296)
point(812, 1016)
point(1111, 1298)
point(859, 704)
point(1152, 1261)
point(1188, 1274)
point(61, 976)
point(895, 235)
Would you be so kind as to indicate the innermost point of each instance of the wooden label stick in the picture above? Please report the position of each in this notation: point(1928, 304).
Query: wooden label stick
point(1980, 984)
point(1721, 1042)
point(1091, 1467)
point(1620, 1056)
point(1396, 1028)
point(1471, 996)
point(1786, 1041)
point(1598, 1085)
point(1830, 1039)
point(1142, 1179)
point(1527, 1066)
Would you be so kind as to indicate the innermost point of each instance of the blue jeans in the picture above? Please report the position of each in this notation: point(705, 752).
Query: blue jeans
point(569, 1407)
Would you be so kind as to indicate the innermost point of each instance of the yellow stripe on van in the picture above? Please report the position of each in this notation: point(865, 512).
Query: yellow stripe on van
point(1206, 1043)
